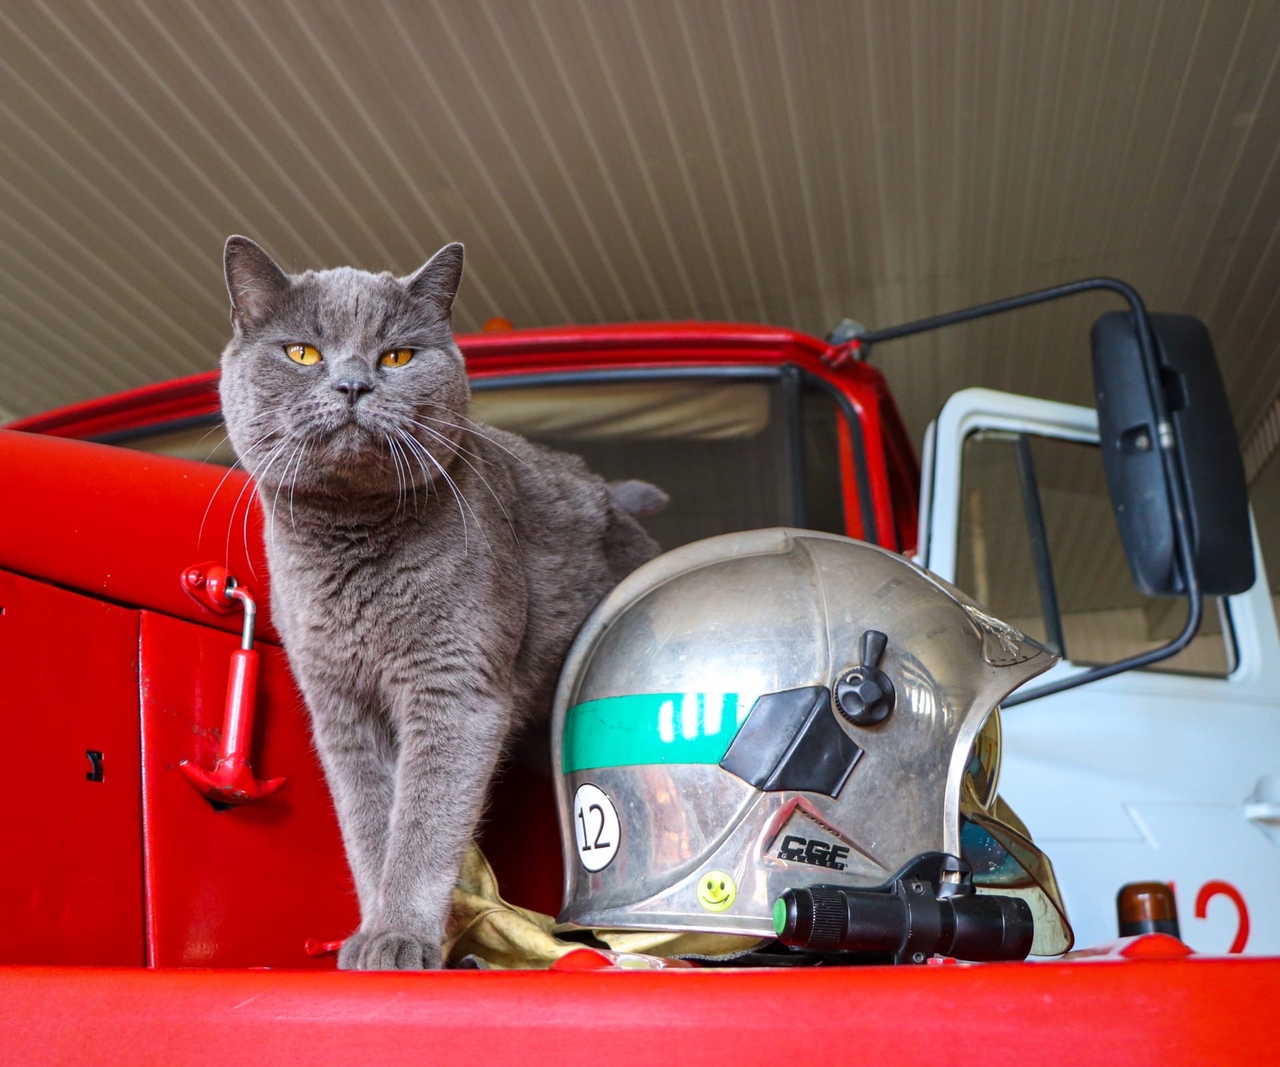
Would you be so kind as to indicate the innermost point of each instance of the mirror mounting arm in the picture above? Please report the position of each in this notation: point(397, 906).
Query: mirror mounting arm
point(1171, 456)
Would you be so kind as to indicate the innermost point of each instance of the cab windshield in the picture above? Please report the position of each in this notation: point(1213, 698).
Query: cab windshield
point(737, 449)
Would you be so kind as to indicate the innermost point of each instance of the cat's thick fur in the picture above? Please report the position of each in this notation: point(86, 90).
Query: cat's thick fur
point(427, 573)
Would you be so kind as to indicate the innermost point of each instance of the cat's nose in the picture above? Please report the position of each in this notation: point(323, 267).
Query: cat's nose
point(353, 389)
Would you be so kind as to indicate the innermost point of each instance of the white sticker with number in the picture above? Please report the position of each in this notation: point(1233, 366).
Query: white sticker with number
point(595, 825)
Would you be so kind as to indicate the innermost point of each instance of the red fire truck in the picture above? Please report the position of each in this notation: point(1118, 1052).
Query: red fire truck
point(145, 923)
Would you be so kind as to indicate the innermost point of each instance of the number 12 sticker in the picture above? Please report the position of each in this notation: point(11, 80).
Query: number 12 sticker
point(595, 825)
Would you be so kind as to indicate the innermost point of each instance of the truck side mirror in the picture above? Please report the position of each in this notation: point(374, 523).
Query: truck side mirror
point(1174, 469)
point(1203, 435)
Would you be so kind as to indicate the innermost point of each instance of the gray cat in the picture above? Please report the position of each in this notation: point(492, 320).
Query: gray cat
point(427, 572)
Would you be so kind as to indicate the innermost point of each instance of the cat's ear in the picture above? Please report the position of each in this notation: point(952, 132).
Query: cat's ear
point(254, 282)
point(436, 281)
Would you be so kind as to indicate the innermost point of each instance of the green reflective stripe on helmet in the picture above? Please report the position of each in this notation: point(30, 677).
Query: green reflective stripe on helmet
point(651, 728)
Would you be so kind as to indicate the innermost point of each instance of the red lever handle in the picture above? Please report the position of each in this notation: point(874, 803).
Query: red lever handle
point(232, 781)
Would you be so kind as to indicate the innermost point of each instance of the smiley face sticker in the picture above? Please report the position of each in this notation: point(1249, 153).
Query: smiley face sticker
point(716, 890)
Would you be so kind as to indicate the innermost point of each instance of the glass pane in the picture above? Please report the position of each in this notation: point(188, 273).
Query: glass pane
point(718, 449)
point(1104, 617)
point(824, 503)
point(994, 562)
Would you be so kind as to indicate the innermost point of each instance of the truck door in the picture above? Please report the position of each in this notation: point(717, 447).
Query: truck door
point(1169, 773)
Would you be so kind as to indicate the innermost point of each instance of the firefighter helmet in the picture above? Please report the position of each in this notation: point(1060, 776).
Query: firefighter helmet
point(772, 710)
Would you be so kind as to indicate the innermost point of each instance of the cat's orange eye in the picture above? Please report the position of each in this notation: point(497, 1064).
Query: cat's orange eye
point(397, 357)
point(307, 355)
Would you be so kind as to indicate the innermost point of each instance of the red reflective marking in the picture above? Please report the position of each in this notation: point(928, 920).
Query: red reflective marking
point(1225, 889)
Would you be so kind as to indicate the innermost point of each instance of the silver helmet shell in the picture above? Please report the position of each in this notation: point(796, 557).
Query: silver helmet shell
point(703, 764)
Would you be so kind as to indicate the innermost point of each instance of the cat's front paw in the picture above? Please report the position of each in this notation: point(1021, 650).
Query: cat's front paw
point(391, 950)
point(349, 953)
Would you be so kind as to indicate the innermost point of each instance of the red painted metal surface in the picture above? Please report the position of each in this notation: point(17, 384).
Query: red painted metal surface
point(224, 889)
point(248, 886)
point(1146, 1011)
point(125, 526)
point(70, 813)
point(181, 398)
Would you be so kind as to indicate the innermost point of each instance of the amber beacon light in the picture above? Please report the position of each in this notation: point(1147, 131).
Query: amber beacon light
point(1147, 908)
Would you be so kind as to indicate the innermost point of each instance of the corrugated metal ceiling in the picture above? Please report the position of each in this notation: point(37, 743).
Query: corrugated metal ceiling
point(784, 162)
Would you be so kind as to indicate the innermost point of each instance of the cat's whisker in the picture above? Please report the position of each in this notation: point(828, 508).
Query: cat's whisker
point(293, 525)
point(249, 487)
point(293, 479)
point(458, 451)
point(275, 499)
point(478, 429)
point(217, 444)
point(391, 452)
point(214, 496)
point(395, 460)
point(294, 457)
point(454, 446)
point(408, 471)
point(418, 451)
point(270, 416)
point(223, 481)
point(479, 525)
point(427, 480)
point(208, 456)
point(463, 505)
point(273, 456)
point(409, 475)
point(404, 476)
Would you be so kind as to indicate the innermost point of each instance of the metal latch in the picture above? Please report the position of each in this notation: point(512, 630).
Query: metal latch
point(231, 780)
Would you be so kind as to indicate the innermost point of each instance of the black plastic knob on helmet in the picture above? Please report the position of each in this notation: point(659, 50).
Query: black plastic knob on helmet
point(864, 695)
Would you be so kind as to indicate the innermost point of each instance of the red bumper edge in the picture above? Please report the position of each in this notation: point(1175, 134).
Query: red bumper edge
point(1158, 1011)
